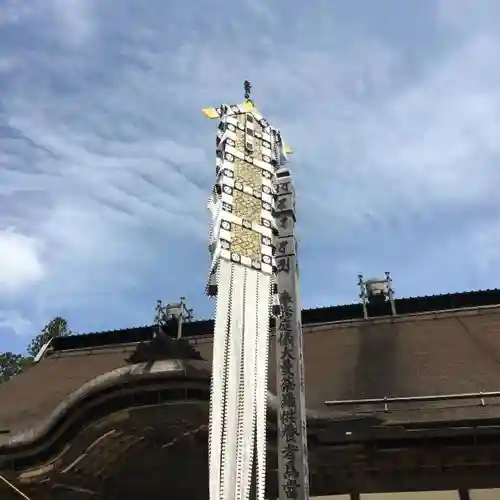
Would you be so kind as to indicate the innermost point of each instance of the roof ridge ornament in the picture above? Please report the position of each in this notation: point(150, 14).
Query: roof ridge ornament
point(376, 290)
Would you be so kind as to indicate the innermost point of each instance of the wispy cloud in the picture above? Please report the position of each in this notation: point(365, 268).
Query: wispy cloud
point(106, 161)
point(75, 20)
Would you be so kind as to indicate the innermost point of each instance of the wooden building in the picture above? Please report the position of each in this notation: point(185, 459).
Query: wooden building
point(413, 412)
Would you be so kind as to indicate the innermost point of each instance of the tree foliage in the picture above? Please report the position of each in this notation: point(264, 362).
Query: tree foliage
point(12, 364)
point(57, 327)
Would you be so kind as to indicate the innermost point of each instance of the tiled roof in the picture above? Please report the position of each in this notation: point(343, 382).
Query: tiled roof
point(347, 312)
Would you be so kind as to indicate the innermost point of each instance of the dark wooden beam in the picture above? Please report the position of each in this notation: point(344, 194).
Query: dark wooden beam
point(375, 480)
point(464, 494)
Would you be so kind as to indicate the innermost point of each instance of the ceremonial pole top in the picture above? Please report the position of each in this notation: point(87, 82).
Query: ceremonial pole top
point(247, 106)
point(248, 89)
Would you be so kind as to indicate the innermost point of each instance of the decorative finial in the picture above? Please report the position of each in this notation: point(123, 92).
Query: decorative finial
point(248, 89)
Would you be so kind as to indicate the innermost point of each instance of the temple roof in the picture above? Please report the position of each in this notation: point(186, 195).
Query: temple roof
point(348, 312)
point(427, 344)
point(442, 349)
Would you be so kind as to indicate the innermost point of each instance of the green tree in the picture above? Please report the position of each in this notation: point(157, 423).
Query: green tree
point(57, 327)
point(11, 364)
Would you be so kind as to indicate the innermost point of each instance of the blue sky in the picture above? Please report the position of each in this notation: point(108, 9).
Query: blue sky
point(393, 109)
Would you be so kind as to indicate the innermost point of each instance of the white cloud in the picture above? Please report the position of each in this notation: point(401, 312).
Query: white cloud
point(20, 264)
